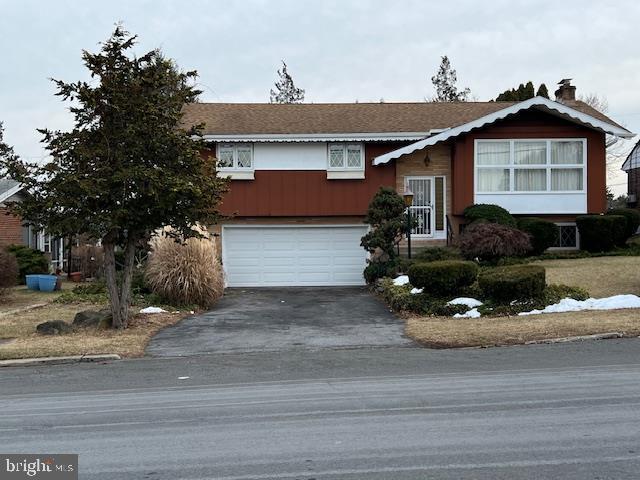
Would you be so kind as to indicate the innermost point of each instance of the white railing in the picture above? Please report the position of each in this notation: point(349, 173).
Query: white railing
point(421, 219)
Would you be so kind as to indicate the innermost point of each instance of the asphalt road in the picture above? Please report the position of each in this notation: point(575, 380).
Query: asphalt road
point(557, 411)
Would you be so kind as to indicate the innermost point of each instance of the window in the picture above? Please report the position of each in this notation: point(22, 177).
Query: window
point(345, 157)
point(531, 166)
point(235, 156)
point(567, 236)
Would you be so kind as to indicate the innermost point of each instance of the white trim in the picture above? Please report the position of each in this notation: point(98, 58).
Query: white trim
point(626, 166)
point(320, 137)
point(558, 108)
point(345, 174)
point(236, 174)
point(9, 193)
point(548, 166)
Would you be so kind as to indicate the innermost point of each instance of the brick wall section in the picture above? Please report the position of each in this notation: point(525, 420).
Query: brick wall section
point(10, 228)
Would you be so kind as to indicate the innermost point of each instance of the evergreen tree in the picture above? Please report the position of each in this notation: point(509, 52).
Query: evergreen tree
point(542, 91)
point(529, 91)
point(445, 84)
point(286, 91)
point(127, 168)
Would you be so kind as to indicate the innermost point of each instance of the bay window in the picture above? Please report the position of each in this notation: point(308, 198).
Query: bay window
point(530, 166)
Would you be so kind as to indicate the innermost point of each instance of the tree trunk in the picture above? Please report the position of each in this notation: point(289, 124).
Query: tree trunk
point(112, 283)
point(127, 274)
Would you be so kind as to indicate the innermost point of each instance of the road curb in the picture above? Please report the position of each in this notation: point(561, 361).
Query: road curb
point(30, 362)
point(580, 338)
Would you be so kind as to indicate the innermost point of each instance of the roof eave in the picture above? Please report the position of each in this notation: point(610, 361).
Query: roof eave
point(558, 108)
point(10, 193)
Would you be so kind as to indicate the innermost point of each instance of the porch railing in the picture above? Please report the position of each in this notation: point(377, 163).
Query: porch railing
point(421, 217)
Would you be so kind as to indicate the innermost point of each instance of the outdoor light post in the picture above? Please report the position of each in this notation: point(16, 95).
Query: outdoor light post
point(408, 201)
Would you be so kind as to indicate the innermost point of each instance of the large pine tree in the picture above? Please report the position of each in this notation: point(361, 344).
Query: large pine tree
point(127, 167)
point(286, 91)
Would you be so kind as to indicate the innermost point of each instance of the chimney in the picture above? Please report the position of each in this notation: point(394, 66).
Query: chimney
point(565, 92)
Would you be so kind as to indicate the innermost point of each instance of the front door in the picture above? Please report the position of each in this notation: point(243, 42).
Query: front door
point(422, 207)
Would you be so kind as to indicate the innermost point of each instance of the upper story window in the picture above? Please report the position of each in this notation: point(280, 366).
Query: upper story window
point(346, 156)
point(530, 166)
point(235, 156)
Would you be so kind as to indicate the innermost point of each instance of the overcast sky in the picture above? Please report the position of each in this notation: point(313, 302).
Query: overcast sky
point(339, 51)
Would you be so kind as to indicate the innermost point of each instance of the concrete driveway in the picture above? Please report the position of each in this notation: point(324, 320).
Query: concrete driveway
point(273, 319)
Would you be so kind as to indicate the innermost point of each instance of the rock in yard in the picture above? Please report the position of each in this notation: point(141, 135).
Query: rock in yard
point(54, 327)
point(91, 318)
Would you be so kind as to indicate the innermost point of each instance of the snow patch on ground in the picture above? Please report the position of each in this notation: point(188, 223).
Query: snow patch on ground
point(466, 301)
point(473, 313)
point(152, 310)
point(401, 280)
point(417, 290)
point(607, 303)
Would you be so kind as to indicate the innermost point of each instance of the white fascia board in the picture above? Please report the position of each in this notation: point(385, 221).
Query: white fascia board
point(9, 193)
point(560, 108)
point(320, 137)
point(626, 166)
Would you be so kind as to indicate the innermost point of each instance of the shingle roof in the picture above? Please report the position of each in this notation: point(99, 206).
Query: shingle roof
point(6, 184)
point(321, 118)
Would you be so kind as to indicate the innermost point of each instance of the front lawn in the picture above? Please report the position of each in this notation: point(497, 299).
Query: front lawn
point(18, 337)
point(600, 276)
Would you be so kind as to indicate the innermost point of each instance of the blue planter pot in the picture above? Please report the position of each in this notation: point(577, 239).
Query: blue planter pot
point(47, 283)
point(33, 282)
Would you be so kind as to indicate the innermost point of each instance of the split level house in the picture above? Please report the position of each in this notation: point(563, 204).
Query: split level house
point(302, 175)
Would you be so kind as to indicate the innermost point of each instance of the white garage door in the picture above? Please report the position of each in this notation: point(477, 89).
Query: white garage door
point(293, 256)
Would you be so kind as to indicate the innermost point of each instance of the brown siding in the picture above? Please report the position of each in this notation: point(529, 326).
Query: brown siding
point(300, 193)
point(633, 187)
point(530, 125)
point(10, 228)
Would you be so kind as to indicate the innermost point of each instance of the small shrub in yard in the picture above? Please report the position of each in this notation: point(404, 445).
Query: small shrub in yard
point(29, 260)
point(555, 292)
point(543, 233)
point(185, 273)
point(600, 233)
point(484, 212)
point(445, 277)
point(400, 299)
point(491, 241)
point(632, 217)
point(435, 254)
point(375, 270)
point(8, 271)
point(518, 282)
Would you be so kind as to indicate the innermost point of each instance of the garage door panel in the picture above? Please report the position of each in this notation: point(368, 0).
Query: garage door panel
point(290, 256)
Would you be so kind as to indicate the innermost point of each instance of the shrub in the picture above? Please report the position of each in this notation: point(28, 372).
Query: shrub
point(185, 273)
point(555, 292)
point(435, 254)
point(632, 217)
point(400, 298)
point(484, 212)
point(443, 277)
point(376, 270)
point(30, 261)
point(518, 282)
point(8, 271)
point(490, 241)
point(600, 233)
point(543, 233)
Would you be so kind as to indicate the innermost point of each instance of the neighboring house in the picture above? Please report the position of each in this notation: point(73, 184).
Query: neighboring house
point(302, 175)
point(632, 166)
point(14, 232)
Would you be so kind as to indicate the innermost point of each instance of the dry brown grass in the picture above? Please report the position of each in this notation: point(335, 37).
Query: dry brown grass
point(601, 276)
point(449, 332)
point(25, 342)
point(188, 273)
point(18, 337)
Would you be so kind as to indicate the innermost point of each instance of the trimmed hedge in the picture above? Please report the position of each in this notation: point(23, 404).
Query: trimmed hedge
point(633, 220)
point(485, 212)
point(491, 241)
point(443, 277)
point(600, 233)
point(543, 233)
point(518, 282)
point(436, 254)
